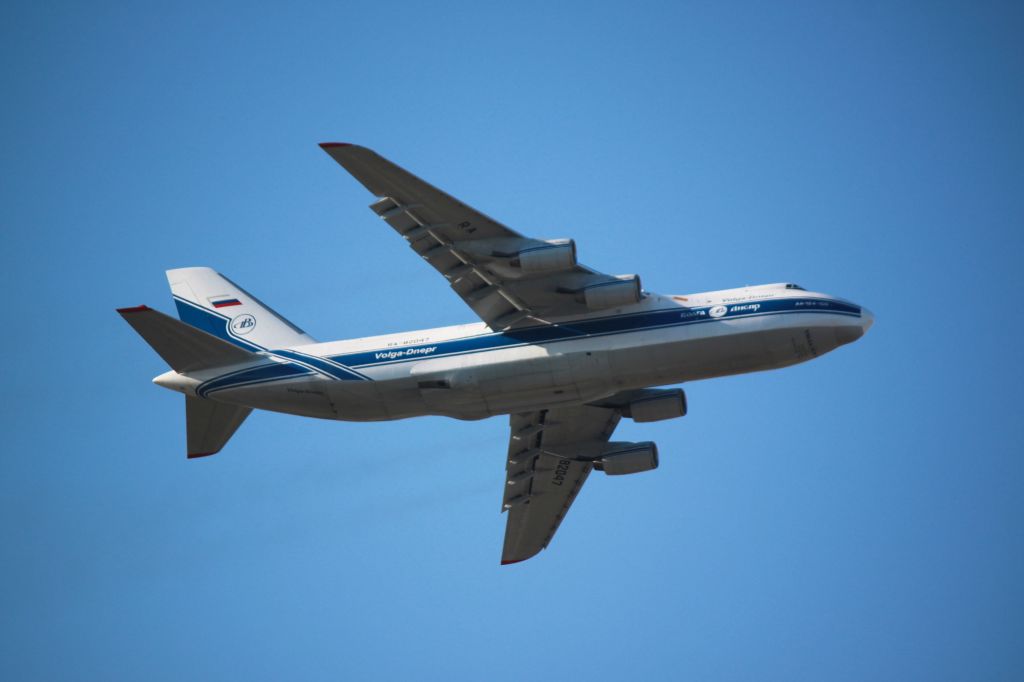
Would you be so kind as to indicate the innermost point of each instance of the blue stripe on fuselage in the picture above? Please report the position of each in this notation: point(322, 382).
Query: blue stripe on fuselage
point(210, 322)
point(255, 375)
point(322, 365)
point(602, 326)
point(338, 366)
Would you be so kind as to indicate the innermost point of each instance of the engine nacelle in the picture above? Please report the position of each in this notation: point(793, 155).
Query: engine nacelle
point(657, 405)
point(623, 290)
point(551, 256)
point(629, 458)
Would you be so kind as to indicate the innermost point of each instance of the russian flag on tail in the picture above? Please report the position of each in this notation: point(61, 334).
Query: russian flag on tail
point(225, 302)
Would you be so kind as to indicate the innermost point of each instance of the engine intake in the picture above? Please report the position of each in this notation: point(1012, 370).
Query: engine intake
point(628, 458)
point(657, 405)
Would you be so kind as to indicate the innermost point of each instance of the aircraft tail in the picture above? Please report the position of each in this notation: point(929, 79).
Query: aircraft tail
point(209, 424)
point(210, 301)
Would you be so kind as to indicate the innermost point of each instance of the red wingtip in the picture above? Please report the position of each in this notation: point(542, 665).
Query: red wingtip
point(330, 145)
point(194, 455)
point(136, 309)
point(506, 562)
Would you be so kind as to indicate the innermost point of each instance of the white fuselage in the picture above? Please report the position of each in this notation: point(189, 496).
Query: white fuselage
point(472, 372)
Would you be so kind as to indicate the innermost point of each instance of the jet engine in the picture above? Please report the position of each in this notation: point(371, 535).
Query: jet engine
point(623, 290)
point(628, 458)
point(657, 404)
point(647, 404)
point(552, 256)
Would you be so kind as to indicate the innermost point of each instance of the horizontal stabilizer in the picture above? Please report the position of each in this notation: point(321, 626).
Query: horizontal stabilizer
point(210, 424)
point(182, 346)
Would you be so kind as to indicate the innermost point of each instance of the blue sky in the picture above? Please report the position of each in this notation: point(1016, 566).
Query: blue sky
point(857, 517)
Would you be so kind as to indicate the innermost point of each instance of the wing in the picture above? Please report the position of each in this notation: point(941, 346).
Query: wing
point(542, 478)
point(506, 278)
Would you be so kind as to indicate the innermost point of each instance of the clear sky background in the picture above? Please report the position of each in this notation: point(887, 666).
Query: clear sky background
point(858, 517)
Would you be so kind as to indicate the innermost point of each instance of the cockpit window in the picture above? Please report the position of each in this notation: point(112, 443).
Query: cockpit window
point(795, 286)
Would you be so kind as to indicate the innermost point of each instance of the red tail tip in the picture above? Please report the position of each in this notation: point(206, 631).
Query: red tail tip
point(330, 145)
point(136, 309)
point(506, 562)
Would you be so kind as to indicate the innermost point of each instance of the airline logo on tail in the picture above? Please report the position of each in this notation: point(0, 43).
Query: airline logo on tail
point(243, 324)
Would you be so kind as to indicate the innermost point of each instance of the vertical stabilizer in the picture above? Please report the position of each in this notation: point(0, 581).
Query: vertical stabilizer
point(210, 301)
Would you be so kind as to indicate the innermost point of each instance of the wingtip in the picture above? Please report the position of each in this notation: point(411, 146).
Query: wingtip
point(133, 309)
point(197, 455)
point(506, 562)
point(333, 145)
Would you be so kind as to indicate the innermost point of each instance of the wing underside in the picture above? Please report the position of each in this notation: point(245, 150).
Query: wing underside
point(548, 462)
point(506, 278)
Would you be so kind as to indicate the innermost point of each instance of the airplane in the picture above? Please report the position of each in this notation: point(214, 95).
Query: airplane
point(564, 350)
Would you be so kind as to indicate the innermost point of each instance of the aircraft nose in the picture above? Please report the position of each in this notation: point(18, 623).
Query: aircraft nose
point(867, 318)
point(848, 333)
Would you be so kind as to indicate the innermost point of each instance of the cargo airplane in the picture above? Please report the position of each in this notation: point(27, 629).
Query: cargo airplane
point(565, 350)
